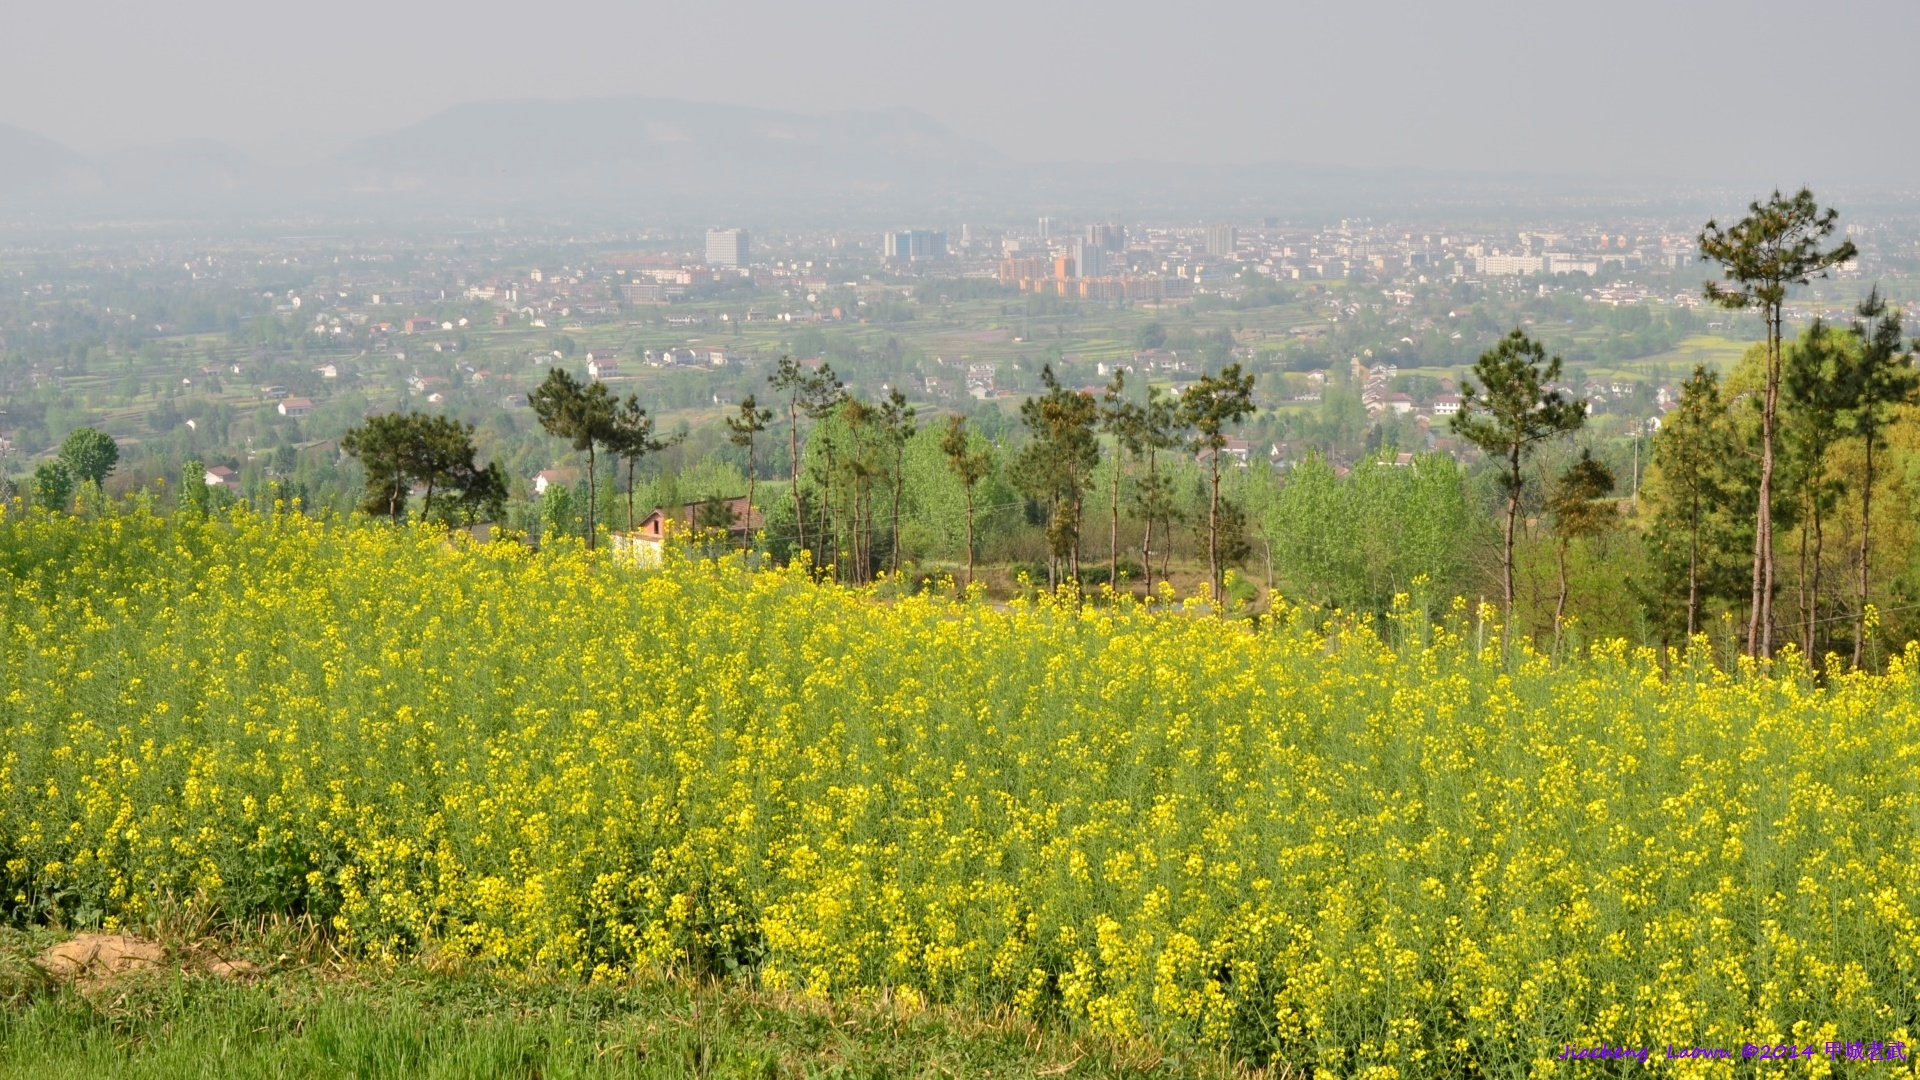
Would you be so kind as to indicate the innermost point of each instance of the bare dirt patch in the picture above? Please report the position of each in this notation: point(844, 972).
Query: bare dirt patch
point(93, 957)
point(233, 969)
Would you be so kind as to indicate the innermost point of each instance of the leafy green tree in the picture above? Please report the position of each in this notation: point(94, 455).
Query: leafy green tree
point(1881, 380)
point(53, 485)
point(1579, 508)
point(581, 414)
point(1356, 542)
point(194, 493)
point(89, 455)
point(1310, 531)
point(560, 511)
point(1210, 406)
point(1776, 246)
point(970, 465)
point(1151, 336)
point(1509, 414)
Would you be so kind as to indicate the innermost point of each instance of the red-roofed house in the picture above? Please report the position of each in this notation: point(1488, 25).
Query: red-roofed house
point(650, 536)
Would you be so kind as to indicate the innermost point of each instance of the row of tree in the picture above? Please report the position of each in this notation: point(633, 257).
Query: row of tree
point(1724, 477)
point(1737, 461)
point(1740, 459)
point(1765, 446)
point(405, 453)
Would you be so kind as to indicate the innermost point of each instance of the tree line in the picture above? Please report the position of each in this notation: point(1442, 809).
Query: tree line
point(1784, 453)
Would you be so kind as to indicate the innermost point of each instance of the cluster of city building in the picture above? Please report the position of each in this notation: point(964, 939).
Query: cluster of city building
point(1106, 262)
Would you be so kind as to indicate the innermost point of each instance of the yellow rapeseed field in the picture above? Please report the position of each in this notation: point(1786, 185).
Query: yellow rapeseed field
point(1409, 853)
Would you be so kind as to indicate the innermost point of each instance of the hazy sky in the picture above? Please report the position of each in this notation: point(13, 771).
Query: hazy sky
point(1657, 89)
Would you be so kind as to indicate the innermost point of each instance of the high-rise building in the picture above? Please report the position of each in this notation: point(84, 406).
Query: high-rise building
point(727, 247)
point(1046, 228)
point(916, 245)
point(1222, 240)
point(1087, 258)
point(1107, 237)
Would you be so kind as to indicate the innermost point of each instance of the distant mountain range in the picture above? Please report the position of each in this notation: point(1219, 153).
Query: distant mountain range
point(647, 159)
point(626, 152)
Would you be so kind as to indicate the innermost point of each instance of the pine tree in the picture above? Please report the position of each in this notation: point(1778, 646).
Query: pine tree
point(1689, 452)
point(1815, 393)
point(1055, 463)
point(1881, 381)
point(581, 414)
point(1509, 414)
point(1210, 406)
point(1774, 247)
point(631, 437)
point(741, 429)
point(1579, 508)
point(897, 426)
point(1124, 420)
point(971, 467)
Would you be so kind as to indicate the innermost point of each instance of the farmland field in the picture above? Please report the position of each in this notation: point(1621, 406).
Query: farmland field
point(1398, 850)
point(1718, 353)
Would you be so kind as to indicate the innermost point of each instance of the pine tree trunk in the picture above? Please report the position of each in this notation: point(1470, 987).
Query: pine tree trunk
point(1213, 535)
point(1053, 522)
point(1146, 540)
point(793, 453)
point(591, 495)
point(1801, 618)
point(1513, 511)
point(748, 523)
point(899, 465)
point(1146, 553)
point(1813, 595)
point(1866, 520)
point(828, 519)
point(1560, 605)
point(1078, 506)
point(1693, 570)
point(1166, 547)
point(1760, 620)
point(866, 532)
point(969, 583)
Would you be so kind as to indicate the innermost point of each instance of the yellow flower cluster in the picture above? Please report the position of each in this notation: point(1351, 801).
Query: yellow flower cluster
point(1405, 852)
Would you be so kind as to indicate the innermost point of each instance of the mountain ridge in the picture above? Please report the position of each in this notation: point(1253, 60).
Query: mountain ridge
point(664, 159)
